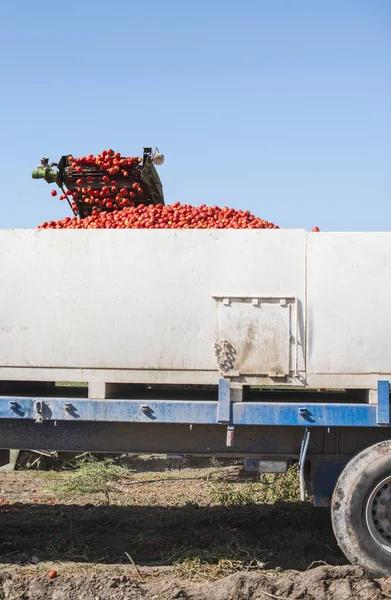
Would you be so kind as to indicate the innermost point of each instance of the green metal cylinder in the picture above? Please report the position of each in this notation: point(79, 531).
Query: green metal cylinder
point(45, 173)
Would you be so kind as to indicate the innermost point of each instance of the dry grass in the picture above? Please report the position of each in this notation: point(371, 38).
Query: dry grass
point(268, 488)
point(209, 521)
point(91, 476)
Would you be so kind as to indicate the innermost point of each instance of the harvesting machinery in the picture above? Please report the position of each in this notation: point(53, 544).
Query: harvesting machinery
point(140, 174)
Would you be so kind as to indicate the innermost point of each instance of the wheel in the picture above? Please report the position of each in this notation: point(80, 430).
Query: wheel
point(361, 509)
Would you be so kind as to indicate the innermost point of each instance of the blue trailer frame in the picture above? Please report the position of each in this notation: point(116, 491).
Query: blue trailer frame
point(314, 433)
point(222, 411)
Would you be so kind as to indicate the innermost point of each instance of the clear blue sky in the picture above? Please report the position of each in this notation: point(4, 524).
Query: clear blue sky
point(282, 107)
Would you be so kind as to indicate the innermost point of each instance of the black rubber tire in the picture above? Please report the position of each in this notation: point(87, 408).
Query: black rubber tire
point(354, 486)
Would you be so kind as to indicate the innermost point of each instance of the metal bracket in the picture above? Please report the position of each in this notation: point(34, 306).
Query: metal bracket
point(39, 411)
point(230, 436)
point(224, 401)
point(383, 402)
point(303, 455)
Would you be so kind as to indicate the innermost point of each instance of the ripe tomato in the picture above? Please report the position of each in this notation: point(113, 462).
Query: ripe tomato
point(111, 205)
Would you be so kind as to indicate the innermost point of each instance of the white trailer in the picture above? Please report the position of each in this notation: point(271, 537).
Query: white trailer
point(308, 309)
point(269, 345)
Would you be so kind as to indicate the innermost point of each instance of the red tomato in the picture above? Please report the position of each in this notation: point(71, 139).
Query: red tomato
point(111, 205)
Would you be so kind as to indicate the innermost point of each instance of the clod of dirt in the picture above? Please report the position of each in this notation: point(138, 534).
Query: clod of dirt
point(321, 583)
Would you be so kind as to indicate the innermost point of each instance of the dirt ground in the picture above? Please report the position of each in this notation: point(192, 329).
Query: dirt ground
point(189, 534)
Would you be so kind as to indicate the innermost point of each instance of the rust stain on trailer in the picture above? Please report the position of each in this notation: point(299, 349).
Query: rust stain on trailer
point(249, 338)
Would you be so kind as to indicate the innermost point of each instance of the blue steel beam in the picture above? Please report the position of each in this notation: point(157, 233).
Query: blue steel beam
point(324, 415)
point(383, 402)
point(224, 403)
point(112, 411)
point(199, 412)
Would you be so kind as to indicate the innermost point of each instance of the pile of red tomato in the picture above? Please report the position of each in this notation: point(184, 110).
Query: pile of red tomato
point(174, 216)
point(109, 185)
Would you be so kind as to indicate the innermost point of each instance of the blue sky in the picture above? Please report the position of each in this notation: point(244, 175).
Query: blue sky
point(282, 107)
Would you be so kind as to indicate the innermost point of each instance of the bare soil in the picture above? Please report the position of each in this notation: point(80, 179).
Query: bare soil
point(165, 536)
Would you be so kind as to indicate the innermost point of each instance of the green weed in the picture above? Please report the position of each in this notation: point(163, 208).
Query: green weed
point(92, 476)
point(268, 488)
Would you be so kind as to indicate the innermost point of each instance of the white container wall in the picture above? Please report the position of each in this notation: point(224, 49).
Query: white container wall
point(136, 305)
point(348, 298)
point(268, 307)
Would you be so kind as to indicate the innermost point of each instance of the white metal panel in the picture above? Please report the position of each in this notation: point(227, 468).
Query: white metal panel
point(133, 300)
point(348, 297)
point(254, 336)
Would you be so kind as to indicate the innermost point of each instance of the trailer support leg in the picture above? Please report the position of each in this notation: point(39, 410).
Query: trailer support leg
point(303, 455)
point(230, 436)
